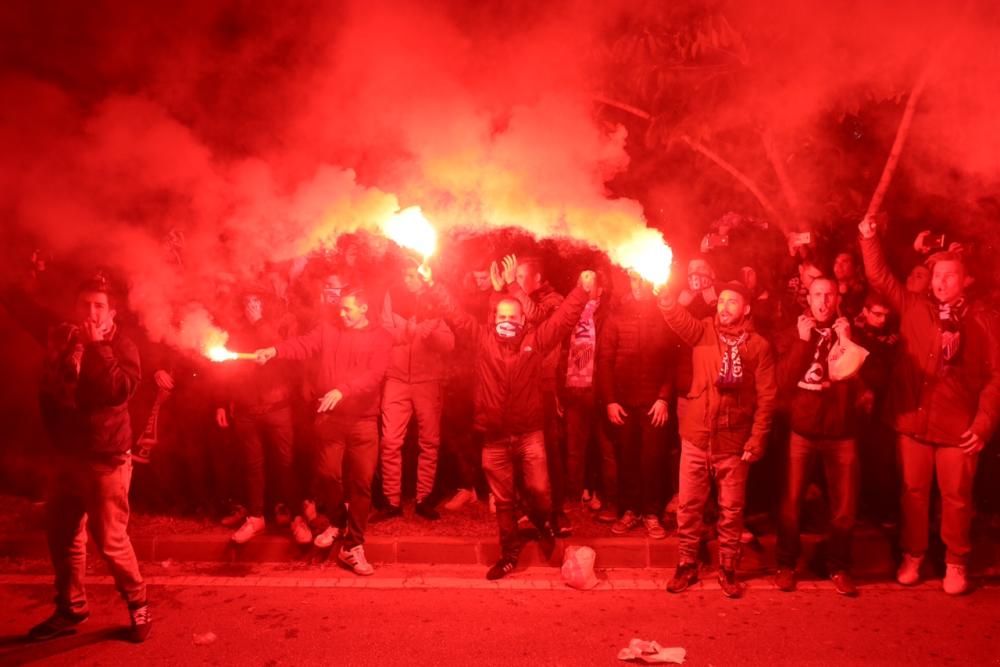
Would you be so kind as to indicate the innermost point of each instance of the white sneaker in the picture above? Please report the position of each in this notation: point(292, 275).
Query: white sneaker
point(300, 531)
point(250, 527)
point(355, 560)
point(908, 573)
point(461, 498)
point(955, 581)
point(325, 539)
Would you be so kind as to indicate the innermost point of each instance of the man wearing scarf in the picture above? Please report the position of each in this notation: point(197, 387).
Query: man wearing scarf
point(823, 423)
point(944, 402)
point(510, 355)
point(724, 428)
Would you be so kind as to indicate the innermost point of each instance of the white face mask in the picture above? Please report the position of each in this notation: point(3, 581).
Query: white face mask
point(508, 330)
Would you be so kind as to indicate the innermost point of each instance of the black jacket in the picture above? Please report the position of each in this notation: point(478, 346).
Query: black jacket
point(507, 393)
point(636, 355)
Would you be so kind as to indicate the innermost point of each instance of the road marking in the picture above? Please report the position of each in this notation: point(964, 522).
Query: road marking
point(420, 581)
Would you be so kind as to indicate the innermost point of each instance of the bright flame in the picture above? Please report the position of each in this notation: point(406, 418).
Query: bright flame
point(219, 353)
point(410, 229)
point(647, 254)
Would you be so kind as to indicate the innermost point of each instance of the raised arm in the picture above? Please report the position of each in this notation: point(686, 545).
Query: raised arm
point(461, 323)
point(557, 326)
point(392, 323)
point(877, 268)
point(687, 328)
point(437, 334)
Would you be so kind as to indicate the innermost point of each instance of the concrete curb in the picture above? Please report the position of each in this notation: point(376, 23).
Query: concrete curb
point(874, 555)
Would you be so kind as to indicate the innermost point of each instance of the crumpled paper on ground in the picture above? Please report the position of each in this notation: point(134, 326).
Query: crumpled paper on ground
point(651, 652)
point(204, 639)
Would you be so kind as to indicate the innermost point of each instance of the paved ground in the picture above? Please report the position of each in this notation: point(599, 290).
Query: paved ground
point(276, 615)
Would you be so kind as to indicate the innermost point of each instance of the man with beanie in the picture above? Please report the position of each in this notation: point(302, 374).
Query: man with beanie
point(724, 429)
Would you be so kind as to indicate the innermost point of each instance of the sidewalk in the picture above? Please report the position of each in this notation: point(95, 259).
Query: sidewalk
point(467, 537)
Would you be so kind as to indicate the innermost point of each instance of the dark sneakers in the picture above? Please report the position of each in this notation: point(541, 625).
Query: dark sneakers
point(844, 584)
point(731, 587)
point(684, 577)
point(427, 510)
point(57, 625)
point(784, 579)
point(501, 568)
point(142, 623)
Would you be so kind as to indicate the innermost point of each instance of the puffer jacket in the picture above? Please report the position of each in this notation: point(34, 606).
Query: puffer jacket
point(636, 355)
point(538, 306)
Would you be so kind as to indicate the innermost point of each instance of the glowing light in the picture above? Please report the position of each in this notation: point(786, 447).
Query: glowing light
point(219, 353)
point(647, 254)
point(410, 229)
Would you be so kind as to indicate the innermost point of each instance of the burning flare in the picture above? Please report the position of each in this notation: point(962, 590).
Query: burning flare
point(215, 348)
point(647, 254)
point(410, 229)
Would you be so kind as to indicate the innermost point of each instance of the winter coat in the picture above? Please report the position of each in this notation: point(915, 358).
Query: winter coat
point(636, 356)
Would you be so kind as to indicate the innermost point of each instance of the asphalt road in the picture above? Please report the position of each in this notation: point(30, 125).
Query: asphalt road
point(429, 616)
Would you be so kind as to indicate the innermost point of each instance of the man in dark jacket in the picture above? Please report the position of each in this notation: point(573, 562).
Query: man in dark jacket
point(523, 280)
point(724, 428)
point(636, 371)
point(353, 359)
point(412, 387)
point(508, 407)
point(258, 403)
point(91, 370)
point(944, 402)
point(823, 423)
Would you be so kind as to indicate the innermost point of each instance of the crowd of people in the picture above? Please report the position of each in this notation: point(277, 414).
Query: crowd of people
point(659, 407)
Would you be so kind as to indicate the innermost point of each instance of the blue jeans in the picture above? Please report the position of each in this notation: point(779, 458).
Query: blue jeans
point(91, 495)
point(697, 472)
point(505, 457)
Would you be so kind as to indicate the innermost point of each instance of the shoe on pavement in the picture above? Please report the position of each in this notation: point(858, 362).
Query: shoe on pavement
point(784, 579)
point(142, 624)
point(844, 584)
point(354, 559)
point(501, 568)
point(731, 586)
point(654, 530)
point(685, 576)
point(908, 573)
point(608, 514)
point(426, 509)
point(309, 511)
point(390, 512)
point(250, 528)
point(325, 539)
point(547, 542)
point(585, 497)
point(301, 532)
point(461, 498)
point(955, 580)
point(628, 521)
point(235, 517)
point(282, 516)
point(58, 624)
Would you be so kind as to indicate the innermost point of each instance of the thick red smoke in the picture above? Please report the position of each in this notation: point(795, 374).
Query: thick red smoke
point(257, 133)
